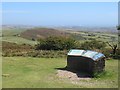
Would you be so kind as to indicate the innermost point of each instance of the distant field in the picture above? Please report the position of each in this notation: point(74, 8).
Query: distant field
point(95, 35)
point(21, 36)
point(26, 72)
point(13, 36)
point(18, 40)
point(11, 32)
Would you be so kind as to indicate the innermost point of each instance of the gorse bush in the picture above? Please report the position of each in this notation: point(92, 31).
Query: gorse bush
point(107, 52)
point(92, 45)
point(56, 43)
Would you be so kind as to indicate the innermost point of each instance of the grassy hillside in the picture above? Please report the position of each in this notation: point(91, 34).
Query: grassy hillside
point(13, 35)
point(102, 36)
point(78, 35)
point(11, 31)
point(26, 72)
point(42, 33)
point(18, 40)
point(21, 36)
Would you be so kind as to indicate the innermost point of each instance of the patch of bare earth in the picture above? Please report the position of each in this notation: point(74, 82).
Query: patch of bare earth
point(73, 77)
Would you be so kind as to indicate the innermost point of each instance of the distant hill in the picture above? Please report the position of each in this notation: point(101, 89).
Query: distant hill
point(63, 28)
point(17, 27)
point(36, 33)
point(88, 29)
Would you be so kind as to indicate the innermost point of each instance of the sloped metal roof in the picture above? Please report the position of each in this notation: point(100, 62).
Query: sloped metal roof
point(76, 52)
point(86, 53)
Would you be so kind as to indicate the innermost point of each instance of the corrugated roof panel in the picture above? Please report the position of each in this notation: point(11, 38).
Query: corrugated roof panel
point(91, 54)
point(97, 56)
point(76, 52)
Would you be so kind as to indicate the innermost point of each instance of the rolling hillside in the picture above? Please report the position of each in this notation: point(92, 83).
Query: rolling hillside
point(42, 33)
point(29, 35)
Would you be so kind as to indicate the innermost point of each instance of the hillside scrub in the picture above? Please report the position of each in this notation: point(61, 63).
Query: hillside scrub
point(14, 46)
point(56, 43)
point(25, 50)
point(35, 53)
point(92, 45)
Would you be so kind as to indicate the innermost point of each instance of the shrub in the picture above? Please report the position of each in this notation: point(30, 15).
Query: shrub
point(56, 43)
point(92, 45)
point(107, 52)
